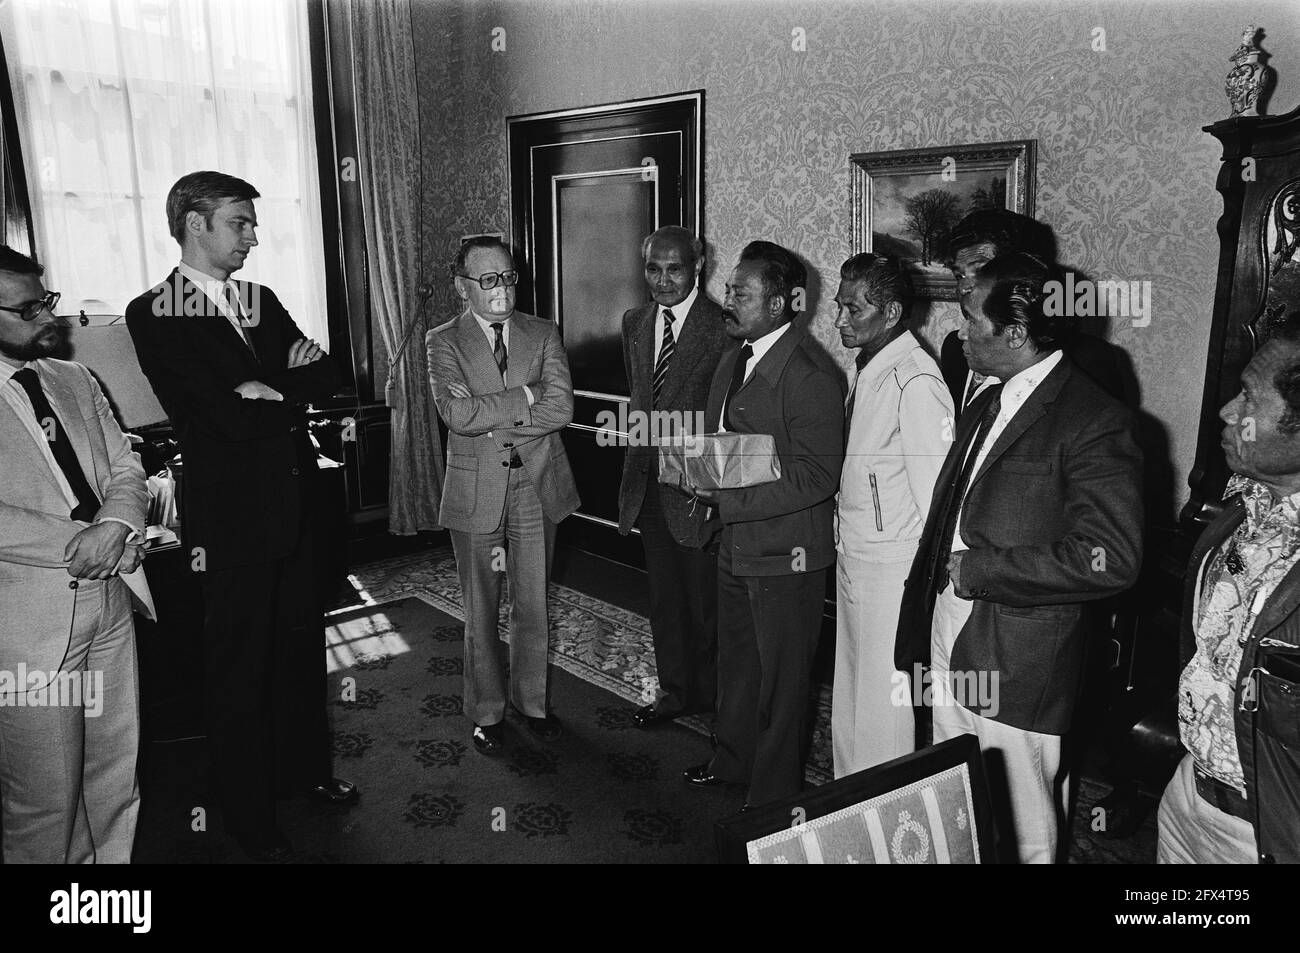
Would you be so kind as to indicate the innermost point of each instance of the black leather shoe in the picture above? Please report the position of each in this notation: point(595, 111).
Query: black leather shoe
point(649, 717)
point(336, 792)
point(700, 777)
point(489, 739)
point(272, 849)
point(544, 729)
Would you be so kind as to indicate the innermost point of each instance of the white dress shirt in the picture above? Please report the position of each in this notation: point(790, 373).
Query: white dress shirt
point(680, 311)
point(759, 347)
point(215, 290)
point(1014, 394)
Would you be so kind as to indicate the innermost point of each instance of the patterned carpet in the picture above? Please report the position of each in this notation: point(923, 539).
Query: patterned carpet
point(610, 648)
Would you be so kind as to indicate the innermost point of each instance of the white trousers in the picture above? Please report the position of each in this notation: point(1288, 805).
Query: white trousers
point(1023, 767)
point(871, 711)
point(1194, 831)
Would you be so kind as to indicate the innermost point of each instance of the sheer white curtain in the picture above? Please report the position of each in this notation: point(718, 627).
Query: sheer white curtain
point(117, 99)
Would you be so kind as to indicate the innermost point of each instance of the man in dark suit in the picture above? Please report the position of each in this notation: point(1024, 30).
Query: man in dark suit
point(777, 538)
point(671, 348)
point(991, 233)
point(501, 382)
point(233, 372)
point(1038, 509)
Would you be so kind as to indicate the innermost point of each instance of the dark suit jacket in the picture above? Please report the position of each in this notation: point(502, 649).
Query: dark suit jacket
point(1100, 360)
point(496, 421)
point(796, 394)
point(686, 391)
point(248, 463)
point(1053, 518)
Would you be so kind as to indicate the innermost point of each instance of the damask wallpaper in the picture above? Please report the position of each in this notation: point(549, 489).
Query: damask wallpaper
point(1115, 93)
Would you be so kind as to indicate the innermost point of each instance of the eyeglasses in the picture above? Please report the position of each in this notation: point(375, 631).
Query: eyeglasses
point(32, 311)
point(490, 280)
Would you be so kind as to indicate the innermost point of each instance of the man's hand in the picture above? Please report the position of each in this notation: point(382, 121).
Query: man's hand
point(95, 552)
point(458, 389)
point(304, 351)
point(700, 493)
point(256, 390)
point(132, 557)
point(954, 573)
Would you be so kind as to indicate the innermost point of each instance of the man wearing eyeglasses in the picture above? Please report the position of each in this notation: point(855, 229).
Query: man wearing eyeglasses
point(235, 373)
point(73, 507)
point(500, 380)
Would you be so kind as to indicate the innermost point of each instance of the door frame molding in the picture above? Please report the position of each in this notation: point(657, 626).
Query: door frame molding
point(584, 124)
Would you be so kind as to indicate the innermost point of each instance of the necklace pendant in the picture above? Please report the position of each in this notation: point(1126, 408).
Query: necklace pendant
point(1234, 561)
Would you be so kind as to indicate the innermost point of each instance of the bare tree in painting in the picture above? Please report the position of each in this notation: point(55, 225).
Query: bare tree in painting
point(930, 215)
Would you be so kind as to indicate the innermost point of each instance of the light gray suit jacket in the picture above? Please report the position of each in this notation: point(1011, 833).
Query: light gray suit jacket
point(497, 421)
point(35, 589)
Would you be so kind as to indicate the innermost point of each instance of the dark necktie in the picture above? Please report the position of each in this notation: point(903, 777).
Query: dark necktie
point(949, 525)
point(971, 388)
point(859, 363)
point(499, 348)
point(665, 355)
point(232, 302)
point(737, 378)
point(64, 454)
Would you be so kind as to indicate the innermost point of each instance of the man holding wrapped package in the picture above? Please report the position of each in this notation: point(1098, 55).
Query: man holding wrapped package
point(777, 539)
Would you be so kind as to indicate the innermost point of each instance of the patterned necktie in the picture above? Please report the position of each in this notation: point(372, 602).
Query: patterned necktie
point(949, 525)
point(64, 454)
point(499, 348)
point(232, 302)
point(737, 378)
point(665, 355)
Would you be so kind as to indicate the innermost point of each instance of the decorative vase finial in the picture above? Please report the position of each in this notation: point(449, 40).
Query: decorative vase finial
point(1249, 77)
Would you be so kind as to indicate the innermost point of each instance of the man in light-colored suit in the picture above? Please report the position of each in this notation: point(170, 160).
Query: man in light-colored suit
point(73, 508)
point(501, 383)
point(671, 347)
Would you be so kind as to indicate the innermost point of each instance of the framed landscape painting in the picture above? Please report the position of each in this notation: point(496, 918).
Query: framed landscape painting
point(905, 202)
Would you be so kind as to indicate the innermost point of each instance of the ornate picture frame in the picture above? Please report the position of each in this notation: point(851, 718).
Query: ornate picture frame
point(906, 200)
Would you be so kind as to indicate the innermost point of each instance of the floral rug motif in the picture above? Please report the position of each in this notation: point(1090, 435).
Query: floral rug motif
point(600, 643)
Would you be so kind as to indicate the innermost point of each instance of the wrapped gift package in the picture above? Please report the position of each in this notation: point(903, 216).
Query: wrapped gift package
point(719, 461)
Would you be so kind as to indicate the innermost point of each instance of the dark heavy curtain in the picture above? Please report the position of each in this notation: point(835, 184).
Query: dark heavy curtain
point(388, 139)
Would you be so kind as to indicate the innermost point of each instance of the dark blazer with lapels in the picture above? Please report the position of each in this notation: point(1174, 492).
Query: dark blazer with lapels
point(247, 462)
point(686, 391)
point(1053, 518)
point(796, 394)
point(496, 421)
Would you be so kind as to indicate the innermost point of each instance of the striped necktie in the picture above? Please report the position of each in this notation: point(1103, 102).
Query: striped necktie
point(665, 355)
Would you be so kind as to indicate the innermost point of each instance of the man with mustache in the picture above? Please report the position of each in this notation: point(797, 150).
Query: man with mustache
point(1233, 798)
point(73, 509)
point(898, 425)
point(777, 538)
point(671, 348)
point(234, 373)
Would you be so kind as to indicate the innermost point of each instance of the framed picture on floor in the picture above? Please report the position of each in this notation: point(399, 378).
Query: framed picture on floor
point(906, 201)
point(930, 807)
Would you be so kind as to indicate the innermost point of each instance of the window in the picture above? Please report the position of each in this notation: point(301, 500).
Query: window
point(116, 99)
